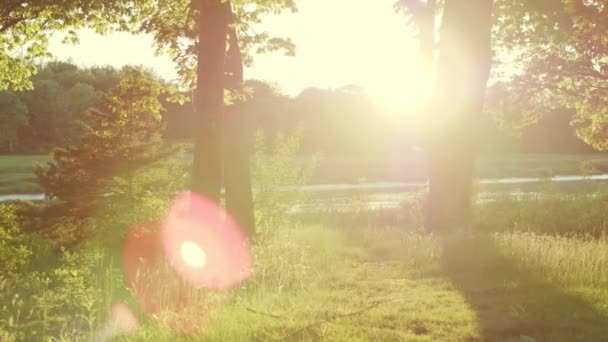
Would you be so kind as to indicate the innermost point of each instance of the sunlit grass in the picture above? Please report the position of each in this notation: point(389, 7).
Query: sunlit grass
point(356, 282)
point(390, 284)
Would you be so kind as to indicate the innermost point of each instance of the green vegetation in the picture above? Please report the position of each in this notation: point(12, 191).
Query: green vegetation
point(391, 285)
point(368, 275)
point(503, 269)
point(531, 270)
point(113, 148)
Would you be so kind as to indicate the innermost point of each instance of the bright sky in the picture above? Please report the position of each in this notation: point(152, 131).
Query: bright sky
point(339, 42)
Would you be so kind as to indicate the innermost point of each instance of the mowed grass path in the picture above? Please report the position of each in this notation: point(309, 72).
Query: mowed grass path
point(323, 284)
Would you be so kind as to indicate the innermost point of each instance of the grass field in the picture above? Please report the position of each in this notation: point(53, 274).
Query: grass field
point(388, 284)
point(336, 170)
point(533, 270)
point(16, 174)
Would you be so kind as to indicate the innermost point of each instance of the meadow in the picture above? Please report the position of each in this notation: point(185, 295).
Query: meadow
point(534, 270)
point(530, 269)
point(17, 175)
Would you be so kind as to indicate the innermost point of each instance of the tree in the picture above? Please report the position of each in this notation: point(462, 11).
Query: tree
point(113, 148)
point(463, 69)
point(62, 93)
point(210, 41)
point(185, 29)
point(559, 52)
point(26, 25)
point(13, 114)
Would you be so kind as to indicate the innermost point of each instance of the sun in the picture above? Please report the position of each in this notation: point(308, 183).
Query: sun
point(403, 96)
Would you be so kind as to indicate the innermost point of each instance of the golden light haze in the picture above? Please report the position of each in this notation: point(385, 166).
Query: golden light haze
point(339, 43)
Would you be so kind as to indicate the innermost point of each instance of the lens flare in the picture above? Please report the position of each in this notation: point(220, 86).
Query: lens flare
point(204, 244)
point(142, 260)
point(122, 321)
point(174, 267)
point(193, 255)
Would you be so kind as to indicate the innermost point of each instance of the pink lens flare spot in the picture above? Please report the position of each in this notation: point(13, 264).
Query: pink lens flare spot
point(122, 321)
point(142, 258)
point(204, 244)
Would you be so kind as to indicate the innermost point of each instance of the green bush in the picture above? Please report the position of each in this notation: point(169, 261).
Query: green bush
point(277, 176)
point(48, 295)
point(14, 254)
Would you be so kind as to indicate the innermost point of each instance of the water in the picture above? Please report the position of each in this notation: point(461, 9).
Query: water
point(390, 194)
point(22, 197)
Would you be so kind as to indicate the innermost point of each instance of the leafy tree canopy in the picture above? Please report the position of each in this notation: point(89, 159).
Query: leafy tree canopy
point(26, 25)
point(25, 28)
point(558, 50)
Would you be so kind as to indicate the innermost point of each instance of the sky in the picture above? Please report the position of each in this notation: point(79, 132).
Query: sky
point(338, 43)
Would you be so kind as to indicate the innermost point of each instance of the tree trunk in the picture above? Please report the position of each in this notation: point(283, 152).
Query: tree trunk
point(465, 59)
point(209, 98)
point(239, 198)
point(237, 176)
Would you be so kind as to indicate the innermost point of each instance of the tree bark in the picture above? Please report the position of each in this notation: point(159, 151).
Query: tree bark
point(465, 59)
point(237, 176)
point(209, 98)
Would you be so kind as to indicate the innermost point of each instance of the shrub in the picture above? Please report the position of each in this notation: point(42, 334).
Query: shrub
point(14, 254)
point(115, 146)
point(277, 176)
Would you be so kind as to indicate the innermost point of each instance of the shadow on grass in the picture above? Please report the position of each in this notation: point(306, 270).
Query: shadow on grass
point(512, 301)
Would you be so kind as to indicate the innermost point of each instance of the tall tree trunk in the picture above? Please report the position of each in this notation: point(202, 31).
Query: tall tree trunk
point(237, 176)
point(239, 198)
point(465, 59)
point(209, 98)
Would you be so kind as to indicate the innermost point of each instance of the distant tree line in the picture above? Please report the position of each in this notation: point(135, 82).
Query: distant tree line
point(35, 121)
point(347, 122)
point(336, 122)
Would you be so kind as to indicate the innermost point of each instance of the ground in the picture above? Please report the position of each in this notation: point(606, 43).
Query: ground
point(387, 284)
point(532, 270)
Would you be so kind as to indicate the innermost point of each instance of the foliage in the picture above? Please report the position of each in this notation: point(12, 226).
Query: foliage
point(48, 115)
point(13, 114)
point(14, 254)
point(557, 50)
point(114, 147)
point(173, 25)
point(25, 28)
point(277, 175)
